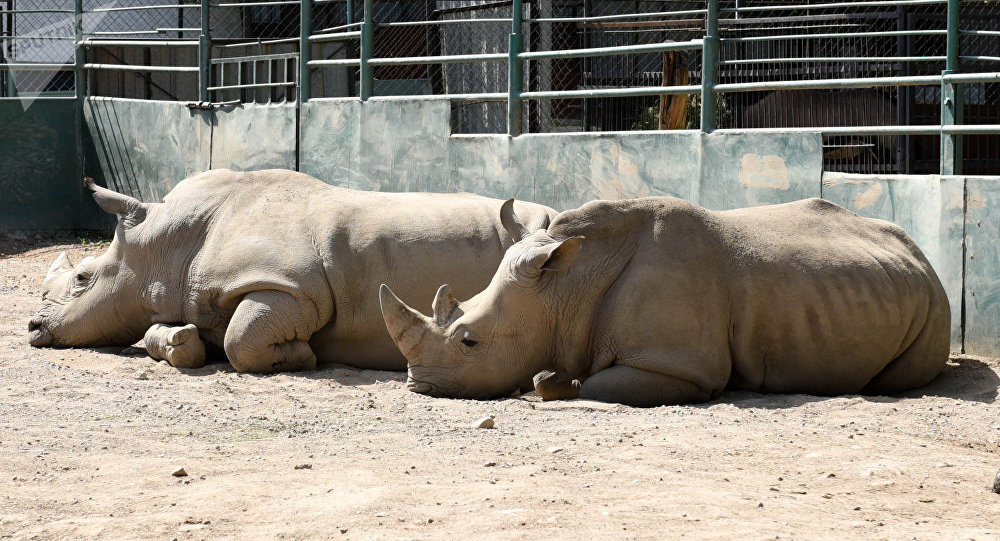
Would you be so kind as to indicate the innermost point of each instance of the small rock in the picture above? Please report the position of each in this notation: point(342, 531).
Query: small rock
point(554, 450)
point(996, 483)
point(489, 464)
point(343, 530)
point(179, 472)
point(141, 375)
point(382, 514)
point(303, 466)
point(485, 422)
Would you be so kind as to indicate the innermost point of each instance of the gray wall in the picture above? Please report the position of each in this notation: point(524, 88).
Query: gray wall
point(144, 148)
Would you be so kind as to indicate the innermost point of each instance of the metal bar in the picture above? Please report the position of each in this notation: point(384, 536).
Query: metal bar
point(928, 129)
point(258, 43)
point(834, 59)
point(251, 4)
point(338, 62)
point(123, 33)
point(862, 82)
point(137, 43)
point(205, 54)
point(834, 5)
point(142, 8)
point(341, 27)
point(981, 58)
point(305, 50)
point(41, 38)
point(710, 69)
point(30, 11)
point(38, 67)
point(250, 58)
point(130, 67)
point(619, 17)
point(337, 36)
point(610, 92)
point(617, 50)
point(993, 33)
point(966, 129)
point(367, 74)
point(886, 33)
point(252, 85)
point(446, 59)
point(37, 97)
point(515, 71)
point(439, 22)
point(951, 99)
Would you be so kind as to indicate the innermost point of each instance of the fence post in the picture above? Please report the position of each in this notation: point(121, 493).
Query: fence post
point(709, 67)
point(367, 75)
point(515, 71)
point(80, 51)
point(305, 51)
point(204, 55)
point(951, 99)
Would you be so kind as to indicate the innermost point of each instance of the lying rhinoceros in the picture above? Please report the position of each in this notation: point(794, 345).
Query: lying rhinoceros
point(657, 301)
point(275, 267)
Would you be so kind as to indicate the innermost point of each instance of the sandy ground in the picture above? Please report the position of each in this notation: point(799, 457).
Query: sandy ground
point(89, 439)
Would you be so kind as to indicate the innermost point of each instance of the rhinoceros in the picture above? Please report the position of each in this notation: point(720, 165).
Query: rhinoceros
point(275, 268)
point(657, 301)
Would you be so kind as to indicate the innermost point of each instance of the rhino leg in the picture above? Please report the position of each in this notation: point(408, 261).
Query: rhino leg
point(637, 387)
point(550, 386)
point(267, 334)
point(178, 345)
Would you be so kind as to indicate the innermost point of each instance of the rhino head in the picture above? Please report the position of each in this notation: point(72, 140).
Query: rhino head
point(486, 346)
point(95, 302)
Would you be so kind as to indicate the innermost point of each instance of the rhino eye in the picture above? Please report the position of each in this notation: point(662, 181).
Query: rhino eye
point(468, 342)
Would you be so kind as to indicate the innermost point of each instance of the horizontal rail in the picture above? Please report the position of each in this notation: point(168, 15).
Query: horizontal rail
point(143, 8)
point(441, 22)
point(334, 62)
point(263, 42)
point(887, 33)
point(41, 38)
point(832, 5)
point(611, 92)
point(253, 85)
point(137, 43)
point(253, 4)
point(130, 67)
point(448, 59)
point(928, 129)
point(30, 96)
point(993, 33)
point(37, 67)
point(981, 58)
point(971, 129)
point(618, 17)
point(337, 36)
point(833, 59)
point(256, 58)
point(972, 78)
point(608, 51)
point(34, 11)
point(861, 82)
point(341, 27)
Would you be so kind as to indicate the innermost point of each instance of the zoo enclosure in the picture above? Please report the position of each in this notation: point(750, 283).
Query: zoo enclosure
point(908, 86)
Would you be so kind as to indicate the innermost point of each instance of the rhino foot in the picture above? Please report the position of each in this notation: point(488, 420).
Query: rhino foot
point(549, 386)
point(179, 346)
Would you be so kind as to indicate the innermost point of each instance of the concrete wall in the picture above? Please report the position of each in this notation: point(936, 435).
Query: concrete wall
point(144, 148)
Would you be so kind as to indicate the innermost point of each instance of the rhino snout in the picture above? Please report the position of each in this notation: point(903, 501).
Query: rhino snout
point(39, 334)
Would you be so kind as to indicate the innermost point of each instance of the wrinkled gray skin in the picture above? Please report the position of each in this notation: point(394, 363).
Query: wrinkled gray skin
point(276, 268)
point(657, 301)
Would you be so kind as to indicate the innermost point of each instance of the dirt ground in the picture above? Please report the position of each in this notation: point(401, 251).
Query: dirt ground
point(89, 439)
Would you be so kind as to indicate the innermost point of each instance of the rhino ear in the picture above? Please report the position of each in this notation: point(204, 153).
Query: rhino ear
point(555, 256)
point(131, 212)
point(444, 305)
point(59, 266)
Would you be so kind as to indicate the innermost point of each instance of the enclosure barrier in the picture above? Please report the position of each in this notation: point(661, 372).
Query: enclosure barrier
point(292, 70)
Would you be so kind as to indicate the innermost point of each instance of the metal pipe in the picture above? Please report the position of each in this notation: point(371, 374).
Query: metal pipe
point(259, 43)
point(366, 73)
point(205, 54)
point(886, 33)
point(951, 98)
point(142, 8)
point(972, 77)
point(39, 97)
point(41, 38)
point(251, 58)
point(834, 59)
point(137, 43)
point(886, 3)
point(32, 11)
point(618, 17)
point(336, 62)
point(252, 85)
point(252, 4)
point(861, 82)
point(993, 33)
point(38, 67)
point(981, 58)
point(439, 22)
point(515, 70)
point(305, 50)
point(130, 67)
point(609, 51)
point(339, 28)
point(709, 68)
point(610, 92)
point(446, 59)
point(336, 36)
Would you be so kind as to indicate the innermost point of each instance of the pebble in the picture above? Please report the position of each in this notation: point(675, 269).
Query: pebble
point(996, 483)
point(141, 375)
point(485, 422)
point(303, 466)
point(179, 472)
point(554, 450)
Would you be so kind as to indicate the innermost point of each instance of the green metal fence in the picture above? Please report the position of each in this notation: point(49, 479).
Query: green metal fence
point(274, 51)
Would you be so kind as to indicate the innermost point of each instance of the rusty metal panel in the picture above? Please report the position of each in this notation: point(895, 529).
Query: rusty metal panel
point(982, 266)
point(39, 178)
point(928, 207)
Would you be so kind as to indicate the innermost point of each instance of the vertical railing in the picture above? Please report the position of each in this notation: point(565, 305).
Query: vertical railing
point(515, 70)
point(951, 99)
point(305, 51)
point(204, 54)
point(709, 67)
point(367, 75)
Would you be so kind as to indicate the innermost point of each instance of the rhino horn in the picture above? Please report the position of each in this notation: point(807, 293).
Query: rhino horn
point(131, 210)
point(444, 305)
point(59, 266)
point(511, 222)
point(406, 326)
